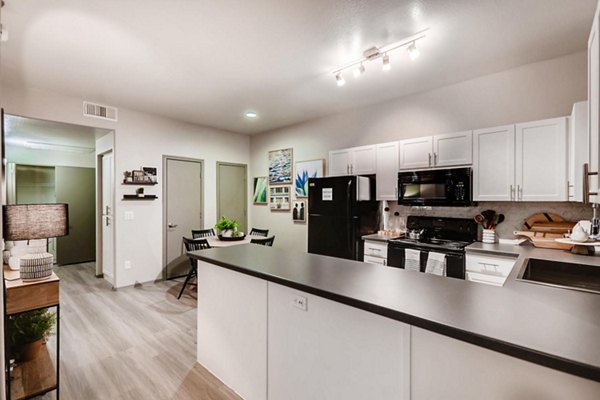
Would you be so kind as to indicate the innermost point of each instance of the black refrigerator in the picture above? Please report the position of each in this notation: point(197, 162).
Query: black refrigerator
point(341, 210)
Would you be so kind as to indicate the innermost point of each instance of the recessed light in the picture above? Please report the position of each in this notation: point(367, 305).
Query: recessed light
point(251, 114)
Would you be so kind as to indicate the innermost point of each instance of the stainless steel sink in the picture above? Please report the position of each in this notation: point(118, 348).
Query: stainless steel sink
point(581, 277)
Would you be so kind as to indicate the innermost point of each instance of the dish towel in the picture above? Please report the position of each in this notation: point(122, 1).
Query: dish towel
point(412, 260)
point(436, 264)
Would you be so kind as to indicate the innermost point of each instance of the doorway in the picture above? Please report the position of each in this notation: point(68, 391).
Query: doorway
point(183, 210)
point(232, 193)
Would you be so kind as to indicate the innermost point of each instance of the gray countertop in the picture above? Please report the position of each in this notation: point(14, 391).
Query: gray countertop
point(549, 326)
point(377, 237)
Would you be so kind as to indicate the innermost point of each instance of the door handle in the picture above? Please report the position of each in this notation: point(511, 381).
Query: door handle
point(107, 220)
point(170, 225)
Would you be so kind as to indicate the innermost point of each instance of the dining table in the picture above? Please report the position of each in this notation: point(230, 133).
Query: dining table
point(214, 241)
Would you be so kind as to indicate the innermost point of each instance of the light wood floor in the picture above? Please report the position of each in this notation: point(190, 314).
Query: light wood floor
point(133, 343)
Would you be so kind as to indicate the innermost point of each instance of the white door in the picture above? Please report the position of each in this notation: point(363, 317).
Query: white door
point(416, 153)
point(364, 160)
point(453, 149)
point(108, 242)
point(339, 162)
point(594, 103)
point(387, 171)
point(183, 196)
point(541, 160)
point(494, 164)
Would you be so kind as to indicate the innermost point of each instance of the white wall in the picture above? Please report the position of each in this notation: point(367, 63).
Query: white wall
point(535, 91)
point(140, 140)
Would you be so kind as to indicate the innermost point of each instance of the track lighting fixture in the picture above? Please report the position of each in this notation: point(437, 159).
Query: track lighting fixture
point(373, 53)
point(386, 62)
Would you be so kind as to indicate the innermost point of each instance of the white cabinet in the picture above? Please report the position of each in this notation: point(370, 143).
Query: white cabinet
point(375, 252)
point(328, 350)
point(353, 161)
point(578, 149)
point(387, 171)
point(541, 160)
point(594, 102)
point(437, 151)
point(453, 149)
point(494, 163)
point(523, 162)
point(488, 269)
point(416, 153)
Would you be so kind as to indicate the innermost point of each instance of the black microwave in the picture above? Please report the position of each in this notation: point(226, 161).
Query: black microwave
point(441, 187)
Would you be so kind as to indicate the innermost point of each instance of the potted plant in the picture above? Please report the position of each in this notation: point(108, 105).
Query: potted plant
point(227, 227)
point(27, 333)
point(127, 176)
point(139, 192)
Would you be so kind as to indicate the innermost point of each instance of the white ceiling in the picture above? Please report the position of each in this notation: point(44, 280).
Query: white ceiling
point(208, 62)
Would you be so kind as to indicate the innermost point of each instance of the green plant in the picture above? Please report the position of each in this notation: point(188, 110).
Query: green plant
point(225, 224)
point(30, 327)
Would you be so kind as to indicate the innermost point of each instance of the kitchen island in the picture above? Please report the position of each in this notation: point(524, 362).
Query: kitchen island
point(286, 325)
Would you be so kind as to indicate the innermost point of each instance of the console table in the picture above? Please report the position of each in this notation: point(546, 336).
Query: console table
point(41, 375)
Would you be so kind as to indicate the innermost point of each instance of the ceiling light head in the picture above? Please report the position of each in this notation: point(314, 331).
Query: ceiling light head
point(358, 71)
point(386, 62)
point(413, 52)
point(340, 79)
point(251, 114)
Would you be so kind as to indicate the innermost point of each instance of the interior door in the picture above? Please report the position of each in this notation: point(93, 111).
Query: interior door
point(183, 197)
point(231, 193)
point(108, 266)
point(77, 187)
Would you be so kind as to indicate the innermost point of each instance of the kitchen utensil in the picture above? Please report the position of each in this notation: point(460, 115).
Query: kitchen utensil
point(415, 233)
point(489, 216)
point(500, 219)
point(480, 220)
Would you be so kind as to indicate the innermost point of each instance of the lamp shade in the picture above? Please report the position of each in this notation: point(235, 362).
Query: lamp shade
point(35, 221)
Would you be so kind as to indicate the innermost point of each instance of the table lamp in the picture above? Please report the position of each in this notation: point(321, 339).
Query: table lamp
point(35, 221)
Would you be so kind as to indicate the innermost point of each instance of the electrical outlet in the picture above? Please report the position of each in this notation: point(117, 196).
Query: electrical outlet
point(129, 216)
point(300, 302)
point(127, 264)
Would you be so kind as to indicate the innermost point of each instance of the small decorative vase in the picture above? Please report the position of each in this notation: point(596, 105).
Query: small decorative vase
point(489, 236)
point(227, 233)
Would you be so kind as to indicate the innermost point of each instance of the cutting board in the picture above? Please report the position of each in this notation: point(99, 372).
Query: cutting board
point(542, 230)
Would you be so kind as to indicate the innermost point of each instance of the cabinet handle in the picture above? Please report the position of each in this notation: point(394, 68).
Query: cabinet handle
point(586, 183)
point(429, 159)
point(434, 158)
point(384, 262)
point(347, 169)
point(512, 193)
point(351, 169)
point(396, 192)
point(519, 193)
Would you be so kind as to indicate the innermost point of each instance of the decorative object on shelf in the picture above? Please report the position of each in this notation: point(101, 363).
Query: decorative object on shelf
point(139, 192)
point(305, 170)
point(375, 53)
point(260, 190)
point(279, 198)
point(127, 177)
point(150, 174)
point(299, 211)
point(280, 166)
point(228, 228)
point(138, 176)
point(35, 221)
point(28, 331)
point(136, 197)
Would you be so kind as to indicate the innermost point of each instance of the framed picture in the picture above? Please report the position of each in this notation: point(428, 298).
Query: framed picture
point(305, 170)
point(280, 166)
point(260, 190)
point(150, 174)
point(279, 198)
point(138, 176)
point(299, 211)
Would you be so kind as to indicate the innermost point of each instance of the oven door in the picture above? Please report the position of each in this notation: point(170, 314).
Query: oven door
point(455, 260)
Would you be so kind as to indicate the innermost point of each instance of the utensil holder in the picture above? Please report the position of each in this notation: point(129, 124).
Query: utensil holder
point(489, 236)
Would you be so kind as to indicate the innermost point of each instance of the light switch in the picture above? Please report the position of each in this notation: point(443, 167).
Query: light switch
point(129, 216)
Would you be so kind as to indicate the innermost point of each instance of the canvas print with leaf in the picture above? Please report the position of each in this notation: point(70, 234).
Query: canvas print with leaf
point(305, 170)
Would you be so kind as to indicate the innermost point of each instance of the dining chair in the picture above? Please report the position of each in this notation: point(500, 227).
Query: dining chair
point(202, 233)
point(192, 245)
point(259, 232)
point(265, 242)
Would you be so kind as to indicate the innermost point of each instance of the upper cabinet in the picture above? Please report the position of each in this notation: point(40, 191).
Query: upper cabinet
point(387, 171)
point(437, 151)
point(579, 149)
point(523, 162)
point(594, 105)
point(353, 161)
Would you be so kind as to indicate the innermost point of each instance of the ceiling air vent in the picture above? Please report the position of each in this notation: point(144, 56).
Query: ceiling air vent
point(99, 111)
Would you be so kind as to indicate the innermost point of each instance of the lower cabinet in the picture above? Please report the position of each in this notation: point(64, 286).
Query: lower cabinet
point(375, 252)
point(488, 269)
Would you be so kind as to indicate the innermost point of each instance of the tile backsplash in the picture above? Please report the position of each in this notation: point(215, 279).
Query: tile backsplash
point(516, 213)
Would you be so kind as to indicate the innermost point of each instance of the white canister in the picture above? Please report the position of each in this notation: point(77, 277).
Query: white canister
point(489, 236)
